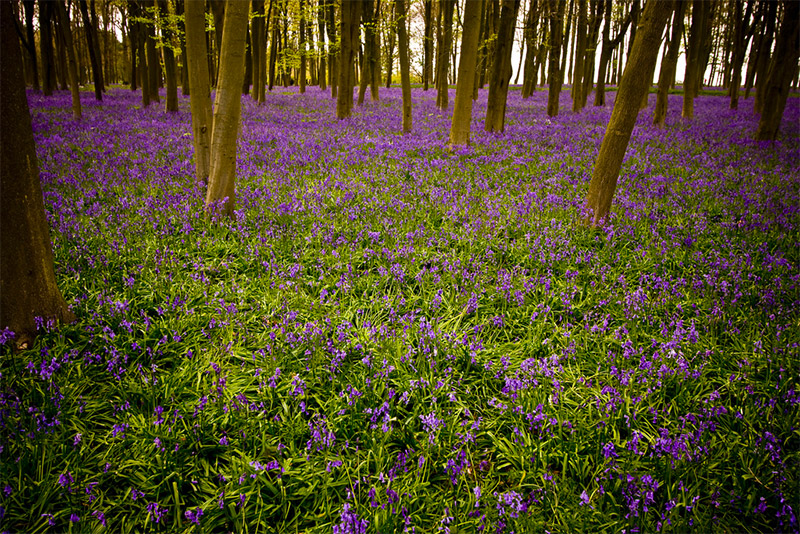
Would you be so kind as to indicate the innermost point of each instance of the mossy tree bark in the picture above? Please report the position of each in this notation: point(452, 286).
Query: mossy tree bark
point(500, 75)
point(467, 65)
point(782, 69)
point(626, 108)
point(405, 77)
point(221, 194)
point(28, 286)
point(199, 94)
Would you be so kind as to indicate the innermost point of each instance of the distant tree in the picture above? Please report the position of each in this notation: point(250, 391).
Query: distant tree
point(405, 77)
point(743, 30)
point(582, 31)
point(351, 15)
point(28, 286)
point(200, 101)
point(333, 49)
point(782, 69)
point(221, 194)
point(669, 64)
point(427, 44)
point(445, 43)
point(72, 67)
point(302, 44)
point(370, 60)
point(555, 74)
point(170, 69)
point(609, 45)
point(693, 78)
point(500, 75)
point(390, 41)
point(626, 108)
point(323, 67)
point(529, 34)
point(462, 109)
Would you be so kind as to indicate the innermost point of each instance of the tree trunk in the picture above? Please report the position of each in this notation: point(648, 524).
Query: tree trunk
point(405, 77)
point(94, 51)
point(141, 57)
point(591, 50)
point(258, 40)
point(554, 76)
point(443, 53)
point(221, 194)
point(693, 77)
point(741, 36)
point(322, 77)
point(462, 109)
point(427, 45)
point(31, 45)
point(170, 70)
point(374, 86)
point(72, 68)
point(182, 31)
point(390, 46)
point(626, 108)
point(529, 74)
point(153, 64)
point(247, 79)
point(46, 45)
point(580, 54)
point(273, 48)
point(351, 15)
point(501, 68)
point(668, 66)
point(609, 46)
point(302, 51)
point(200, 101)
point(62, 69)
point(28, 286)
point(368, 64)
point(333, 49)
point(782, 70)
point(763, 59)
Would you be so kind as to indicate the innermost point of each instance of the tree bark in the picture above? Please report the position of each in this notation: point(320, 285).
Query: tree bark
point(782, 70)
point(322, 78)
point(200, 101)
point(626, 108)
point(153, 64)
point(302, 51)
point(405, 77)
point(669, 65)
point(29, 6)
point(258, 40)
point(555, 74)
point(221, 194)
point(94, 51)
point(579, 55)
point(390, 44)
point(351, 14)
point(693, 77)
point(46, 46)
point(763, 58)
point(591, 49)
point(741, 36)
point(170, 70)
point(272, 18)
point(368, 64)
point(182, 31)
point(443, 53)
point(427, 45)
point(141, 56)
point(333, 48)
point(462, 109)
point(72, 67)
point(529, 74)
point(609, 46)
point(28, 286)
point(501, 68)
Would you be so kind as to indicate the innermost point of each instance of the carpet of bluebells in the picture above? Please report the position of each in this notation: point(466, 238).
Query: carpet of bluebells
point(394, 337)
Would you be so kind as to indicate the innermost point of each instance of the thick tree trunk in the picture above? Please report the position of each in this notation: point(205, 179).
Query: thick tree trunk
point(170, 70)
point(221, 194)
point(782, 69)
point(501, 68)
point(462, 109)
point(351, 15)
point(72, 68)
point(28, 286)
point(554, 76)
point(46, 46)
point(94, 51)
point(405, 77)
point(626, 108)
point(62, 68)
point(443, 53)
point(669, 65)
point(199, 95)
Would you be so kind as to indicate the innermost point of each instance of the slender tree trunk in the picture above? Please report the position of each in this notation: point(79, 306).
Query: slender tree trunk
point(529, 75)
point(170, 70)
point(333, 49)
point(741, 36)
point(351, 14)
point(273, 48)
point(302, 40)
point(374, 86)
point(443, 57)
point(782, 69)
point(462, 109)
point(66, 35)
point(693, 77)
point(322, 77)
point(94, 51)
point(390, 43)
point(221, 194)
point(501, 68)
point(580, 53)
point(555, 74)
point(669, 65)
point(367, 65)
point(405, 77)
point(46, 45)
point(28, 286)
point(29, 6)
point(141, 56)
point(62, 68)
point(427, 45)
point(179, 10)
point(200, 100)
point(247, 79)
point(259, 48)
point(763, 58)
point(153, 64)
point(626, 108)
point(591, 50)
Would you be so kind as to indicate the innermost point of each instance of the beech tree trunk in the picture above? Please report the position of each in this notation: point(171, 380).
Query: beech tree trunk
point(94, 51)
point(443, 53)
point(28, 286)
point(609, 46)
point(72, 67)
point(258, 40)
point(501, 68)
point(141, 56)
point(529, 74)
point(462, 109)
point(693, 77)
point(272, 19)
point(333, 48)
point(351, 15)
point(170, 69)
point(741, 36)
point(323, 68)
point(182, 31)
point(580, 53)
point(626, 108)
point(782, 69)
point(405, 77)
point(427, 45)
point(153, 63)
point(591, 50)
point(302, 51)
point(368, 63)
point(554, 77)
point(669, 65)
point(221, 194)
point(199, 94)
point(390, 43)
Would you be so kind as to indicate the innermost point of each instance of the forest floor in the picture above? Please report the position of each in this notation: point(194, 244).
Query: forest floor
point(391, 336)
